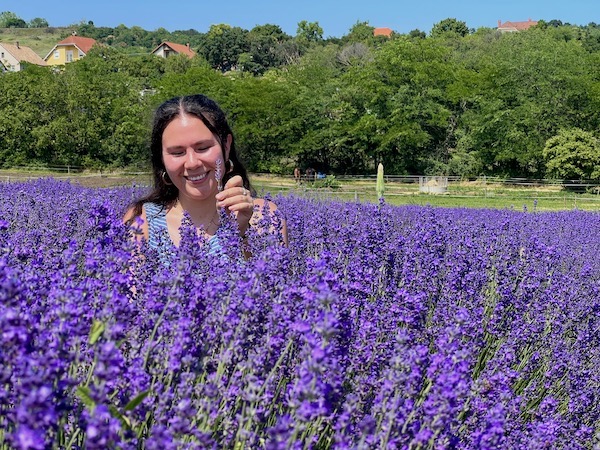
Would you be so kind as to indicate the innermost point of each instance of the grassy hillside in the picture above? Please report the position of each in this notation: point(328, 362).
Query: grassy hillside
point(40, 40)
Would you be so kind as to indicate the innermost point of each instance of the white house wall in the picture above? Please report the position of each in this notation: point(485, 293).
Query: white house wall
point(9, 61)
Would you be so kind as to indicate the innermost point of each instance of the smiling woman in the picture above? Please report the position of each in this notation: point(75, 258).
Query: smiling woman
point(190, 140)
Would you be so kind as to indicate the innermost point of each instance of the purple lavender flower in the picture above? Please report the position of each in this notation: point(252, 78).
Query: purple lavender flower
point(436, 327)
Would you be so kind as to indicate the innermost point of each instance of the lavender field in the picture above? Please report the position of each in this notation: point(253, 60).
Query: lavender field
point(378, 327)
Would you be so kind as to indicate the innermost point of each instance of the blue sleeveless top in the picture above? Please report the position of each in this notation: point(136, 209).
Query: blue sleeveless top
point(158, 234)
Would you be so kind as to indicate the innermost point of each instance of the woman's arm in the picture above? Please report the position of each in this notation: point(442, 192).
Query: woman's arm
point(138, 224)
point(271, 208)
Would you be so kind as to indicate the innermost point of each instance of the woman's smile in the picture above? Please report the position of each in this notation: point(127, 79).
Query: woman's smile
point(196, 179)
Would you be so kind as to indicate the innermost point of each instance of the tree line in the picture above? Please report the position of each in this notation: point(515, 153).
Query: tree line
point(9, 19)
point(452, 101)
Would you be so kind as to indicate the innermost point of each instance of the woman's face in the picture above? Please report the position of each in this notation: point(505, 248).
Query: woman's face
point(192, 154)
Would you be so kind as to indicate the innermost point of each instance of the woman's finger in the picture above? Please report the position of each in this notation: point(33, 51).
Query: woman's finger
point(234, 181)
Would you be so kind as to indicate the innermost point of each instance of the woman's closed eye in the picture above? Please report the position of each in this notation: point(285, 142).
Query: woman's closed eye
point(198, 147)
point(176, 151)
point(183, 152)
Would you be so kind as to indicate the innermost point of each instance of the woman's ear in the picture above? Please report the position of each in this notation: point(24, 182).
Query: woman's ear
point(228, 146)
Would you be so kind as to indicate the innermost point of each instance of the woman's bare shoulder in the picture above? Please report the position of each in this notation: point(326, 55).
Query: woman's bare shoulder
point(129, 215)
point(138, 223)
point(260, 203)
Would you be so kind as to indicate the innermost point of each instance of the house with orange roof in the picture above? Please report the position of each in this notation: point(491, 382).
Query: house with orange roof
point(166, 49)
point(382, 31)
point(511, 27)
point(14, 57)
point(69, 49)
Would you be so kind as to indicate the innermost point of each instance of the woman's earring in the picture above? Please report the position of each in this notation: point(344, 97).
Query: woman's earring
point(163, 176)
point(229, 165)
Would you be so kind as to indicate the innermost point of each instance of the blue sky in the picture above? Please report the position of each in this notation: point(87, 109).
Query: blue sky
point(335, 17)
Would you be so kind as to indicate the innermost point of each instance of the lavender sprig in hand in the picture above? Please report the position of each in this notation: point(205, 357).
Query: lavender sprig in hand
point(219, 178)
point(218, 174)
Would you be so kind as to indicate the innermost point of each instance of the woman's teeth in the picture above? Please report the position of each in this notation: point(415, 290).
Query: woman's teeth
point(197, 177)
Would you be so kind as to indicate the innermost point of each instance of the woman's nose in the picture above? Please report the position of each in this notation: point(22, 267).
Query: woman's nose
point(191, 158)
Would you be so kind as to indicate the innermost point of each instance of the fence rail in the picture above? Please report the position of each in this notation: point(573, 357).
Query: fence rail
point(394, 183)
point(31, 170)
point(410, 179)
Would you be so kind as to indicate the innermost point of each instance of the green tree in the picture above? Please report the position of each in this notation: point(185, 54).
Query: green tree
point(106, 35)
point(179, 63)
point(573, 154)
point(6, 17)
point(400, 106)
point(417, 34)
point(197, 79)
point(27, 102)
point(290, 51)
point(95, 114)
point(309, 32)
point(38, 22)
point(356, 53)
point(135, 37)
point(11, 20)
point(590, 39)
point(193, 37)
point(162, 34)
point(359, 32)
point(450, 25)
point(262, 114)
point(264, 52)
point(315, 113)
point(516, 91)
point(222, 46)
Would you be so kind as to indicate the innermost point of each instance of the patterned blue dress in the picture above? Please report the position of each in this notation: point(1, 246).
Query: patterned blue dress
point(158, 234)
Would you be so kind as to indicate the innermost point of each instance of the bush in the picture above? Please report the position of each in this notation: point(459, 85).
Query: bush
point(573, 154)
point(329, 182)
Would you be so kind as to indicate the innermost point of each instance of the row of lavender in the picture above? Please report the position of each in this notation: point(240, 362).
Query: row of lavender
point(378, 327)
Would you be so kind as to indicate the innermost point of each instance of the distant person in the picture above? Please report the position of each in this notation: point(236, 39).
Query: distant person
point(297, 174)
point(196, 170)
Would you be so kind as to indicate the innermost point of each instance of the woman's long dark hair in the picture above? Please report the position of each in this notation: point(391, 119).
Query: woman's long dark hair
point(205, 109)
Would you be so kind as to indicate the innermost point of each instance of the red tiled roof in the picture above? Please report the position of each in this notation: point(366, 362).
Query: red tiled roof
point(83, 43)
point(383, 31)
point(516, 26)
point(179, 48)
point(24, 54)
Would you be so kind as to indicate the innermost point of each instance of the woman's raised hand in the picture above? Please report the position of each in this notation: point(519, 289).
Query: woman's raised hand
point(235, 198)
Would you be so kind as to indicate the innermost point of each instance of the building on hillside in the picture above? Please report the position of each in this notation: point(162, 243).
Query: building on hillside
point(14, 57)
point(166, 49)
point(68, 50)
point(511, 27)
point(382, 31)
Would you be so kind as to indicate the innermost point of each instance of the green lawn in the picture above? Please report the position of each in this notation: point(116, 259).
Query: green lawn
point(473, 195)
point(468, 195)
